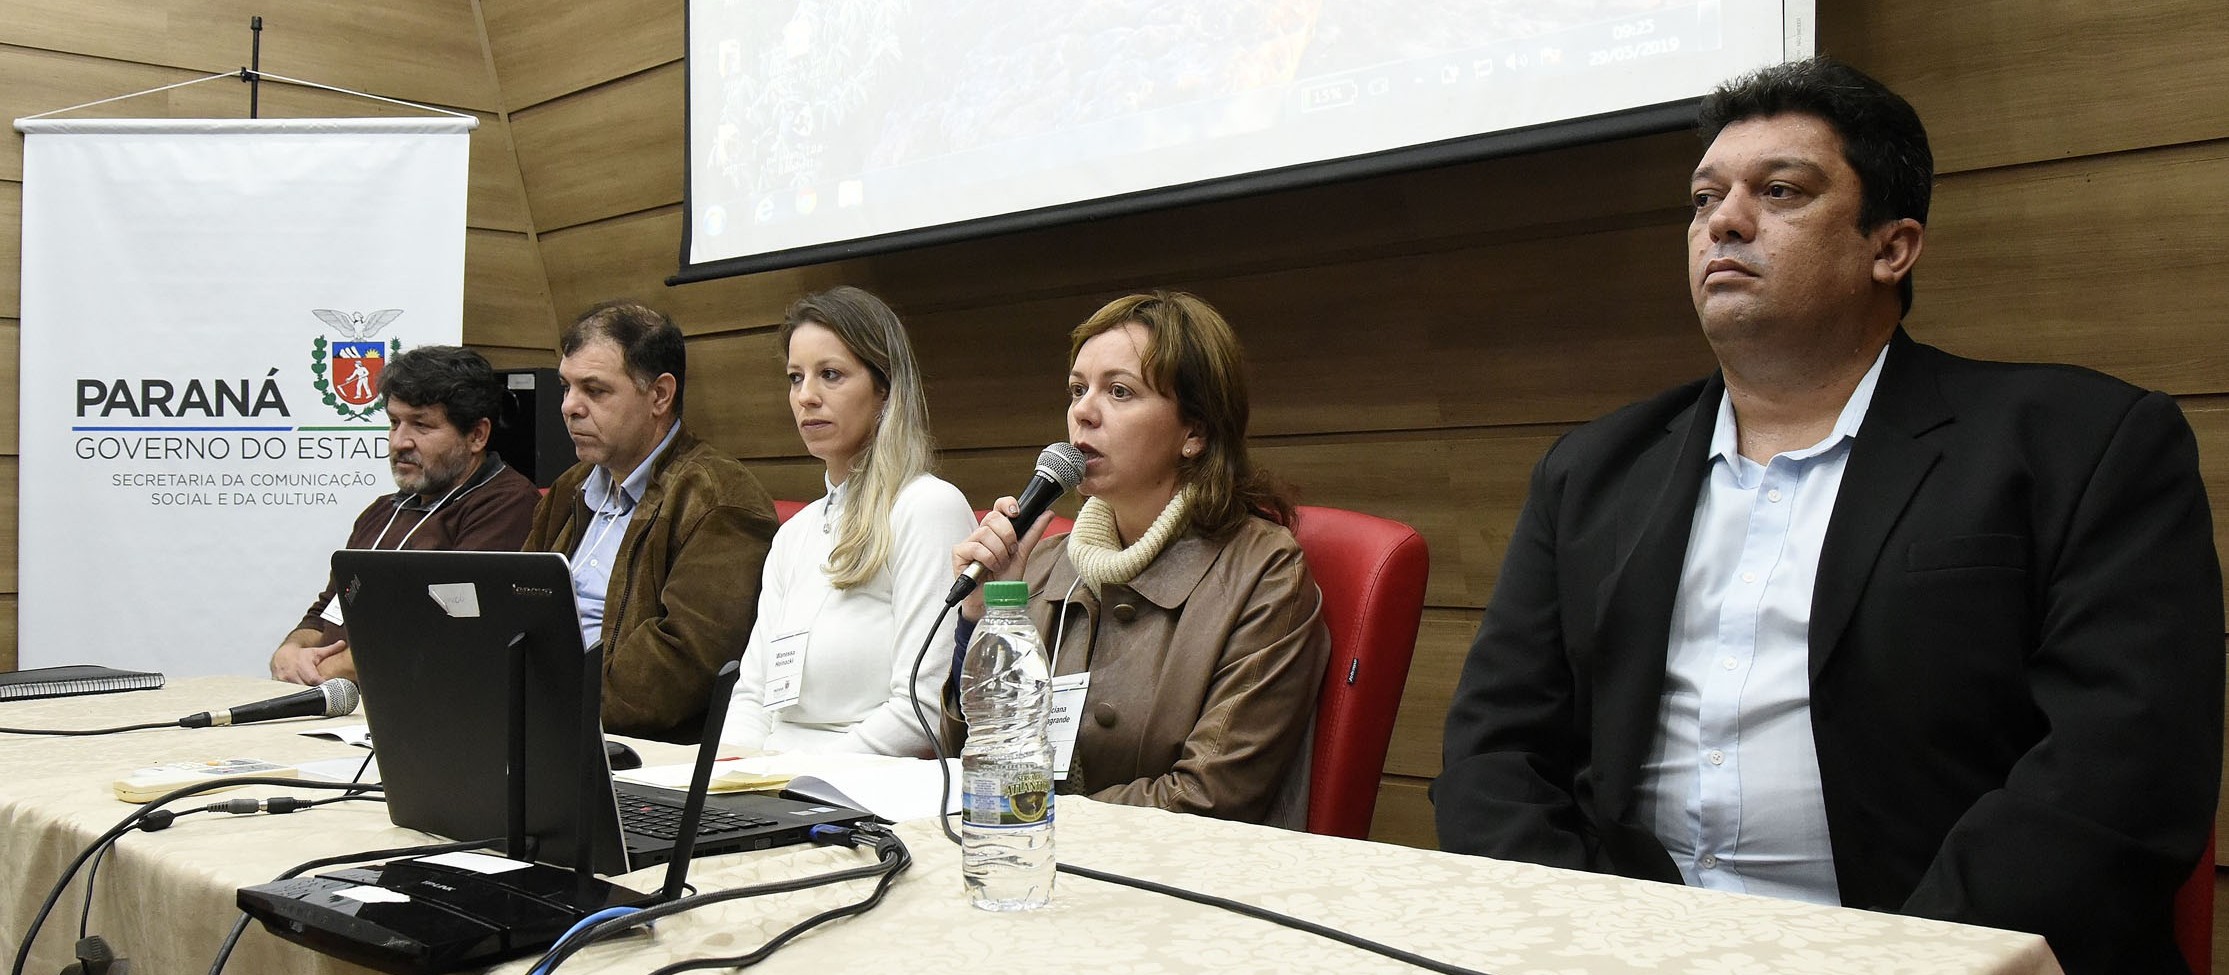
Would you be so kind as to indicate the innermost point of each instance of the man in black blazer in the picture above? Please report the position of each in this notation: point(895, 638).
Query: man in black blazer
point(1855, 620)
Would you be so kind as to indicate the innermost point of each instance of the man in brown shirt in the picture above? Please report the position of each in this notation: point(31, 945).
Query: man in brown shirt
point(441, 406)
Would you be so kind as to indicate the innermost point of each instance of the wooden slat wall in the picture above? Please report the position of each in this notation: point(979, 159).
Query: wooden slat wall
point(1418, 340)
point(54, 54)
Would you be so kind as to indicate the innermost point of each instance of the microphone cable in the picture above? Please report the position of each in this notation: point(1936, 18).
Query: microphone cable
point(76, 732)
point(1208, 900)
point(163, 819)
point(936, 741)
point(891, 859)
point(150, 811)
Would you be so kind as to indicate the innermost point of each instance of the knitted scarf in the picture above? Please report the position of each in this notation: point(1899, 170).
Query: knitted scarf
point(1096, 548)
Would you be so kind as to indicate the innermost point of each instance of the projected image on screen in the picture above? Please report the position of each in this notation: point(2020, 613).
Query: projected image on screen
point(822, 121)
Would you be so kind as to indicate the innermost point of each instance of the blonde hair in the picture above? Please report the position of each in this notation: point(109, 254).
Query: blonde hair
point(901, 449)
point(1192, 356)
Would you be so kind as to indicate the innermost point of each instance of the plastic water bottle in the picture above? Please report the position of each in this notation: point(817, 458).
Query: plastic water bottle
point(1006, 770)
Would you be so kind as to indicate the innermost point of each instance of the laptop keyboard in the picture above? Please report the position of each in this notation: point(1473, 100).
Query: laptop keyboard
point(658, 818)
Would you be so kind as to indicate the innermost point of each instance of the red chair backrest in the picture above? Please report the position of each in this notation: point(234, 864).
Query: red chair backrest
point(785, 510)
point(2194, 914)
point(1372, 572)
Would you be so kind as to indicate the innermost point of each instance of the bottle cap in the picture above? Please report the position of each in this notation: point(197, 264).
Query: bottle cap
point(1006, 593)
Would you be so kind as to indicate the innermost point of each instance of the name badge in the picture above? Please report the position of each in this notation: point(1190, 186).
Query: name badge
point(785, 669)
point(1069, 692)
point(785, 653)
point(332, 611)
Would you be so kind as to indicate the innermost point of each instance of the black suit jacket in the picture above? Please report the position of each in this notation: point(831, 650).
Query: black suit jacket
point(2016, 654)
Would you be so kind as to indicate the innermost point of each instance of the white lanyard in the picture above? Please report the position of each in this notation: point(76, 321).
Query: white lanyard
point(421, 522)
point(1060, 624)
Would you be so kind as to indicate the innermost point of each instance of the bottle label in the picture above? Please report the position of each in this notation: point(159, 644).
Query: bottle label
point(1023, 799)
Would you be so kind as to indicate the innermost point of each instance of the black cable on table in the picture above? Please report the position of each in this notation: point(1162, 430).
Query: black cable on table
point(862, 906)
point(132, 821)
point(892, 858)
point(78, 732)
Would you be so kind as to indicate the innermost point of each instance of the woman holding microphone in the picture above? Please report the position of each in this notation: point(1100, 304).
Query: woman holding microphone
point(854, 580)
point(1180, 593)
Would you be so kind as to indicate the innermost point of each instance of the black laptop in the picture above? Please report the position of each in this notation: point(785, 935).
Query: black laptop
point(434, 635)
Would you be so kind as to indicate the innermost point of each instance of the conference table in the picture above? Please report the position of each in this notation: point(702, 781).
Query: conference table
point(164, 900)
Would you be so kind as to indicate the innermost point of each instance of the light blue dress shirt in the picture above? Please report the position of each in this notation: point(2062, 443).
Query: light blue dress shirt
point(1732, 786)
point(599, 543)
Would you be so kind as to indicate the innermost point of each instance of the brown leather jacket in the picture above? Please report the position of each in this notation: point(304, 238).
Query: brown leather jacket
point(684, 589)
point(1204, 674)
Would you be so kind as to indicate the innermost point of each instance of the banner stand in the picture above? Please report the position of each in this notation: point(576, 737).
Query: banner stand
point(207, 305)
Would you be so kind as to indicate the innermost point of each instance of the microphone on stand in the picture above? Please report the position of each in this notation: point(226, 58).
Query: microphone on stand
point(330, 699)
point(1060, 466)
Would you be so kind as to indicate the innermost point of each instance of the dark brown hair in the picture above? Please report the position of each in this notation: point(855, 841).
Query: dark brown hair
point(648, 341)
point(1192, 356)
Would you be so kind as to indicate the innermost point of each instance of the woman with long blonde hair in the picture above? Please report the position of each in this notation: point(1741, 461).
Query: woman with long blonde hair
point(854, 580)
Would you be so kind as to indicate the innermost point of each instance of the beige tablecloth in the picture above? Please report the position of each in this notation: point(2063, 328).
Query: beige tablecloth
point(165, 899)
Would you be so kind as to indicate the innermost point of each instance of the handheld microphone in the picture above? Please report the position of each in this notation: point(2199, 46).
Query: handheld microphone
point(330, 699)
point(1060, 466)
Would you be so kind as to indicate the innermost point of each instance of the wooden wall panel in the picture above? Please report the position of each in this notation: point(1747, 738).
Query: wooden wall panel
point(610, 150)
point(11, 390)
point(7, 632)
point(504, 357)
point(1404, 814)
point(790, 478)
point(632, 256)
point(2089, 260)
point(1498, 202)
point(737, 399)
point(426, 51)
point(506, 298)
point(8, 523)
point(544, 49)
point(1461, 492)
point(496, 200)
point(40, 81)
point(1442, 642)
point(2209, 422)
point(11, 250)
point(1999, 82)
point(1329, 351)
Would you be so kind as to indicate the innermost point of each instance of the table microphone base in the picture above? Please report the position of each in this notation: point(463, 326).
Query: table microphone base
point(419, 916)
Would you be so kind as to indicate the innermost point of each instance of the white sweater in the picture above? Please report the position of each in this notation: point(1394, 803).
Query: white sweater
point(858, 643)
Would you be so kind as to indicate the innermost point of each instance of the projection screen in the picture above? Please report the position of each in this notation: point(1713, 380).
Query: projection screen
point(823, 129)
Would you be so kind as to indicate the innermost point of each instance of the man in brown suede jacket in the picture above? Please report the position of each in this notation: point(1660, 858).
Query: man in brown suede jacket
point(666, 534)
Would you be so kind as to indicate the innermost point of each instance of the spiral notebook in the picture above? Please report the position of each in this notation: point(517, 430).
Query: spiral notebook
point(25, 685)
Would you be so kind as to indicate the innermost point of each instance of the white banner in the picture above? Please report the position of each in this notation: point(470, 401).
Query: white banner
point(206, 308)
